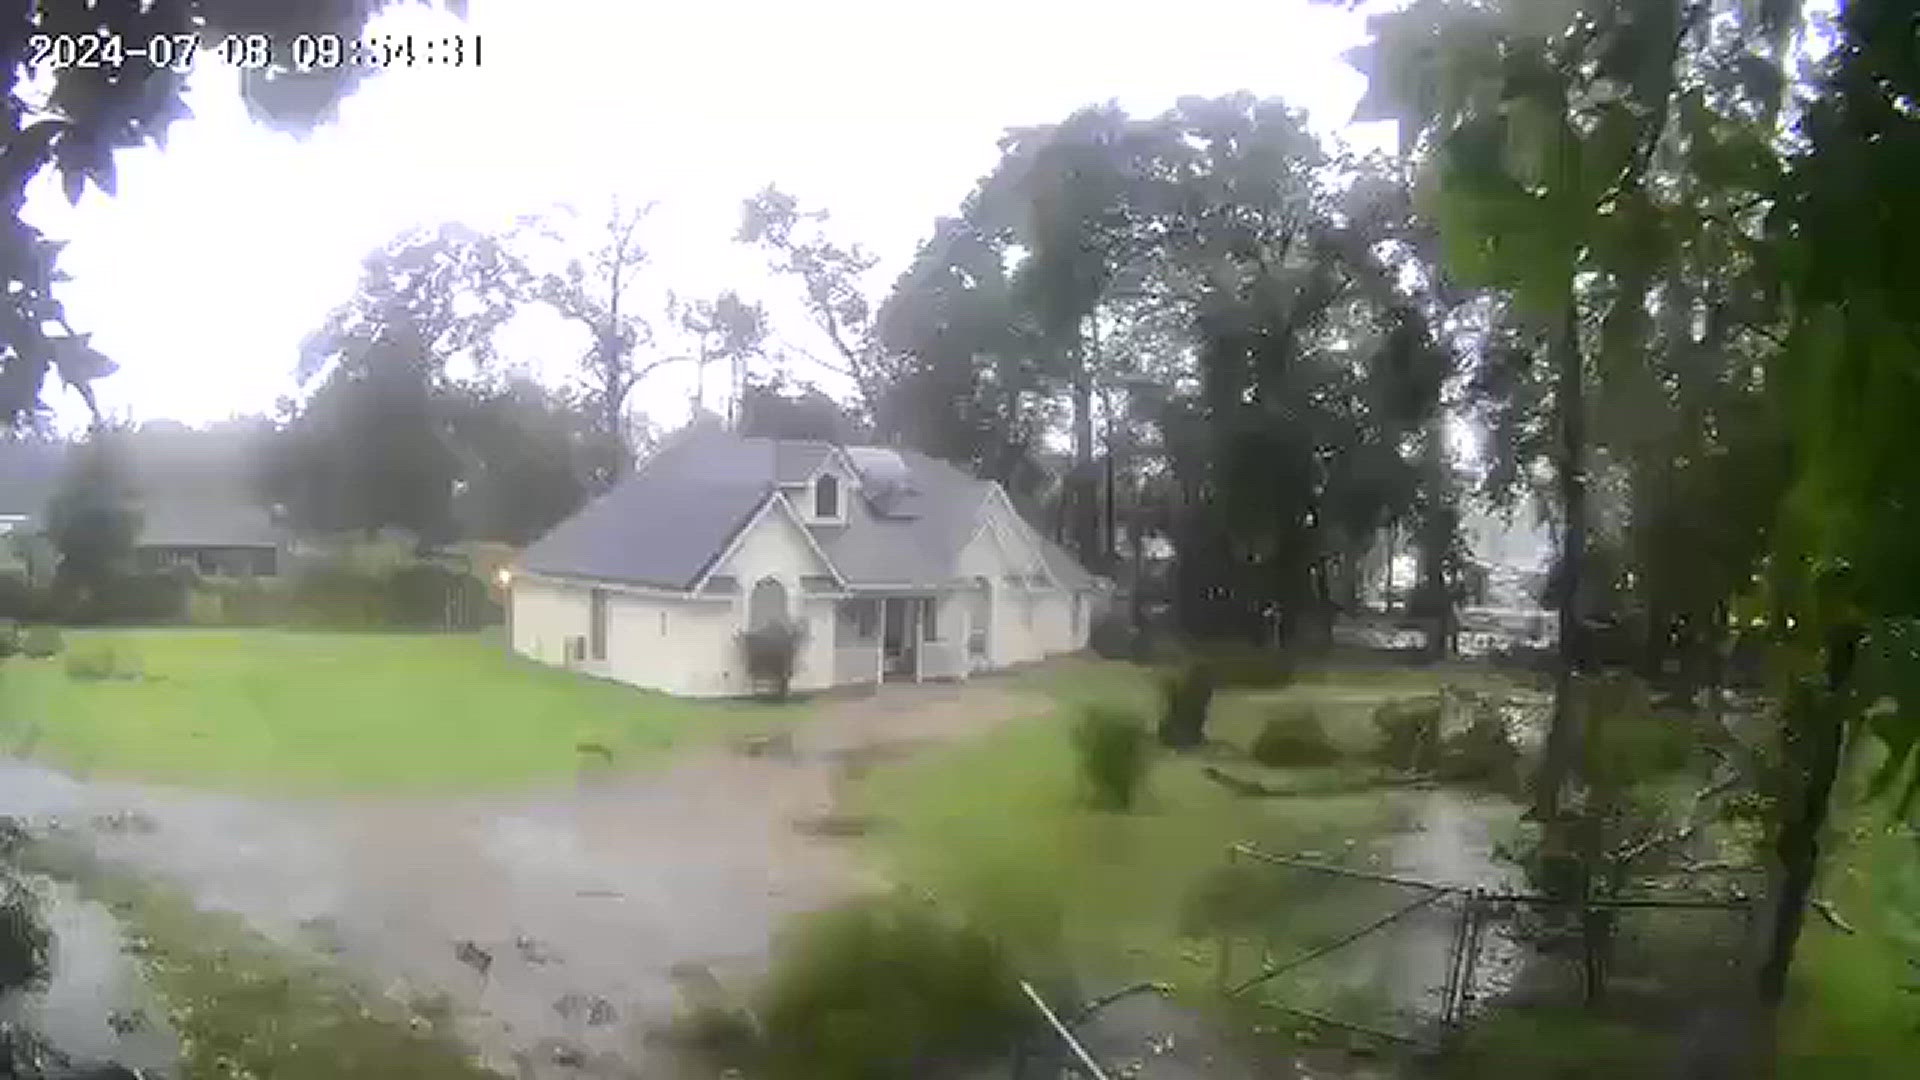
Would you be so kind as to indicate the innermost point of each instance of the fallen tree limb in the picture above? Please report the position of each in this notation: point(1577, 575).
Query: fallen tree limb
point(1255, 789)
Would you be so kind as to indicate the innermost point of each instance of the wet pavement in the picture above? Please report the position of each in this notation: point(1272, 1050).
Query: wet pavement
point(556, 923)
point(93, 1006)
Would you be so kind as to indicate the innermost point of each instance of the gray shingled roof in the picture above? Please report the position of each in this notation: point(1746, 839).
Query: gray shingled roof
point(192, 487)
point(191, 520)
point(665, 524)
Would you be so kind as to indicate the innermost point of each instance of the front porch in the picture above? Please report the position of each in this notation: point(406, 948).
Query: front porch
point(907, 637)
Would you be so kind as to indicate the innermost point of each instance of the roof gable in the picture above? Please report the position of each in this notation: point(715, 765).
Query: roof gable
point(677, 517)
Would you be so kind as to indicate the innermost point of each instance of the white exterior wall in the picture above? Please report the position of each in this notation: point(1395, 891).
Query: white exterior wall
point(657, 643)
point(687, 645)
point(775, 546)
point(544, 615)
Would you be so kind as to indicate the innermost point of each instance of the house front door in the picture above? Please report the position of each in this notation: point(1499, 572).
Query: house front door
point(897, 624)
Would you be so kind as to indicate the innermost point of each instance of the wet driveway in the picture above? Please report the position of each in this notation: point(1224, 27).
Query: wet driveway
point(562, 918)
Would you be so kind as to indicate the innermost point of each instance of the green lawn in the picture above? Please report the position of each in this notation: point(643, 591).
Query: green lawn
point(318, 711)
point(997, 827)
point(1849, 1014)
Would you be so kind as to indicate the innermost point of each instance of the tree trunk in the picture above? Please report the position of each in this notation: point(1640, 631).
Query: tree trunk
point(1816, 733)
point(1109, 543)
point(1083, 505)
point(1435, 541)
point(1137, 595)
point(1557, 763)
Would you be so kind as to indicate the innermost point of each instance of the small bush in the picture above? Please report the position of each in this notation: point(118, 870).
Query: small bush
point(1482, 753)
point(771, 654)
point(1186, 696)
point(1111, 636)
point(10, 642)
point(1294, 735)
point(1409, 733)
point(1111, 745)
point(41, 642)
point(97, 660)
point(885, 987)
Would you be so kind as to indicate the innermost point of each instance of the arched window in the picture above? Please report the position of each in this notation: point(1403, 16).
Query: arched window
point(826, 496)
point(767, 605)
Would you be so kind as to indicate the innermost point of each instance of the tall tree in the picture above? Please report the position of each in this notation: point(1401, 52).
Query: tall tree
point(600, 293)
point(370, 447)
point(775, 410)
point(969, 389)
point(830, 275)
point(725, 329)
point(87, 113)
point(1844, 564)
point(525, 455)
point(1536, 124)
point(94, 518)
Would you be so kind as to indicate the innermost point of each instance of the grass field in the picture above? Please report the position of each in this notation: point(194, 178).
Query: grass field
point(279, 710)
point(997, 827)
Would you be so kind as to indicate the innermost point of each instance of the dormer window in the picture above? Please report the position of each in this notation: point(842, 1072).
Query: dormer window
point(826, 496)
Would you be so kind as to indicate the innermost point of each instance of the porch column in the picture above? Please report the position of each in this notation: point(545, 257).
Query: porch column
point(915, 610)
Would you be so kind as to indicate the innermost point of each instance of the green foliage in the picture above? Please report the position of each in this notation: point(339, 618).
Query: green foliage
point(125, 599)
point(1111, 636)
point(94, 517)
point(10, 640)
point(771, 654)
point(78, 119)
point(96, 660)
point(772, 410)
point(1110, 744)
point(1294, 735)
point(1409, 732)
point(882, 988)
point(351, 592)
point(1483, 752)
point(1629, 741)
point(1549, 1044)
point(21, 599)
point(41, 642)
point(1186, 695)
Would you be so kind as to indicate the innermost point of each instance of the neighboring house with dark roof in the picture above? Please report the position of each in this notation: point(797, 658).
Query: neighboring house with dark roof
point(899, 566)
point(197, 506)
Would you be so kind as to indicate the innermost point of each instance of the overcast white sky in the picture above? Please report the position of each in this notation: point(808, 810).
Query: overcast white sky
point(221, 252)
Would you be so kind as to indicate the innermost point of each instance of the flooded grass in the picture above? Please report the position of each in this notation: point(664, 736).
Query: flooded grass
point(994, 827)
point(260, 710)
point(997, 825)
point(244, 1007)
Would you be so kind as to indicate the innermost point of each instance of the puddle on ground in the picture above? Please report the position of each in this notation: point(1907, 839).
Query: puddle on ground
point(94, 1007)
point(1394, 978)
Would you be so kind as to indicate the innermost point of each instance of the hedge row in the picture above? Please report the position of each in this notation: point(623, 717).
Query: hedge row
point(418, 596)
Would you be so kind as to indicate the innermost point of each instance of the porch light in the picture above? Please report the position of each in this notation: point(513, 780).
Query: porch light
point(503, 577)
